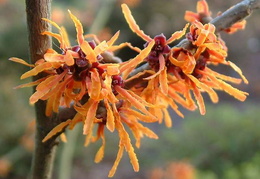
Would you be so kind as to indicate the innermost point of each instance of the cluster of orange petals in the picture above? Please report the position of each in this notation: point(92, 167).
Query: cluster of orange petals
point(178, 71)
point(204, 15)
point(80, 77)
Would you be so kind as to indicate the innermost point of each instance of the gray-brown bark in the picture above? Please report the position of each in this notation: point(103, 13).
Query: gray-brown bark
point(44, 153)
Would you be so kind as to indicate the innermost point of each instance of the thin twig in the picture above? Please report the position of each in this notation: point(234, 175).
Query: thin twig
point(235, 14)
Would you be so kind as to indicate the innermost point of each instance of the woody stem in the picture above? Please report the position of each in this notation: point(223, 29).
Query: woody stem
point(44, 153)
point(235, 14)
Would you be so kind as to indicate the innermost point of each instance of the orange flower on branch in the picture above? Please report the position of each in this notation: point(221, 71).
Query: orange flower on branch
point(156, 57)
point(203, 79)
point(81, 75)
point(158, 62)
point(235, 27)
point(204, 39)
point(69, 73)
point(161, 46)
point(185, 65)
point(113, 115)
point(207, 49)
point(203, 15)
point(152, 93)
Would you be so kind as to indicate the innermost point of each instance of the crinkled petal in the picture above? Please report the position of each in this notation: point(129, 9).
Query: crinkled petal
point(132, 24)
point(200, 100)
point(31, 83)
point(45, 86)
point(39, 68)
point(167, 118)
point(21, 61)
point(191, 16)
point(69, 60)
point(95, 88)
point(213, 95)
point(100, 48)
point(52, 23)
point(163, 81)
point(238, 70)
point(238, 94)
point(124, 93)
point(202, 7)
point(56, 130)
point(100, 154)
point(55, 35)
point(208, 71)
point(178, 34)
point(140, 116)
point(138, 59)
point(113, 39)
point(161, 67)
point(79, 28)
point(110, 117)
point(90, 116)
point(118, 158)
point(87, 49)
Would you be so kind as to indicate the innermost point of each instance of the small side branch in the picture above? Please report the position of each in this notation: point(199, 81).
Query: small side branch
point(235, 14)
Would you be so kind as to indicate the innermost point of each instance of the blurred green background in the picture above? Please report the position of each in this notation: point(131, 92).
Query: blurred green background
point(225, 143)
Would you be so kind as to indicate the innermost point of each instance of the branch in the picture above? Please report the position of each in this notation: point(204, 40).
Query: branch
point(44, 153)
point(231, 16)
point(235, 14)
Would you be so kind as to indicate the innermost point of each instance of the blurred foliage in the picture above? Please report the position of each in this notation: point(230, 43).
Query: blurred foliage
point(223, 140)
point(246, 170)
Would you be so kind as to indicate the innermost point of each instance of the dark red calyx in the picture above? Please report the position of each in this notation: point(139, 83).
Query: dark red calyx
point(117, 80)
point(161, 44)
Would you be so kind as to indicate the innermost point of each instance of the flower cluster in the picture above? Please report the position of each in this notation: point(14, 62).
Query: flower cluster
point(80, 77)
point(84, 77)
point(176, 72)
point(204, 15)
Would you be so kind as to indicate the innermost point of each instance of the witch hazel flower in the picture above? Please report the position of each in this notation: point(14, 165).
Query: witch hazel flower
point(67, 73)
point(157, 60)
point(80, 75)
point(179, 66)
point(160, 47)
point(113, 110)
point(203, 15)
point(157, 89)
point(206, 48)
